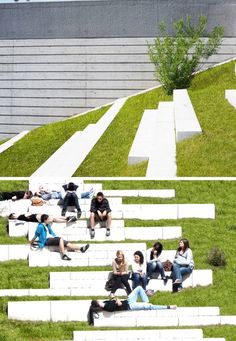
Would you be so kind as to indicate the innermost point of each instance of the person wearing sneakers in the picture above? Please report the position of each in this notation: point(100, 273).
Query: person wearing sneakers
point(183, 264)
point(130, 304)
point(47, 237)
point(154, 264)
point(70, 198)
point(36, 218)
point(100, 211)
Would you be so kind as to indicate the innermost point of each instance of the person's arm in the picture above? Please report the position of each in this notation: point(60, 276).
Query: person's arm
point(185, 259)
point(50, 230)
point(114, 268)
point(37, 234)
point(93, 206)
point(118, 301)
point(106, 206)
point(126, 271)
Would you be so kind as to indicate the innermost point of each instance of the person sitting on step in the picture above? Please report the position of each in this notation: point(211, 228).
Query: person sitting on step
point(183, 264)
point(139, 270)
point(46, 237)
point(100, 211)
point(48, 195)
point(70, 198)
point(131, 303)
point(154, 264)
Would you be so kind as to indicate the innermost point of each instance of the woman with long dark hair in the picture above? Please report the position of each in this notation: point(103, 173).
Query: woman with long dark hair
point(183, 263)
point(139, 270)
point(154, 264)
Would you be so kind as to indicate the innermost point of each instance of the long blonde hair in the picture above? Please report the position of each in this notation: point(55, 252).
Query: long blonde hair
point(120, 253)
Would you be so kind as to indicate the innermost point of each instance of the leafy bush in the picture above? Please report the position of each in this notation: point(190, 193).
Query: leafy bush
point(177, 57)
point(216, 257)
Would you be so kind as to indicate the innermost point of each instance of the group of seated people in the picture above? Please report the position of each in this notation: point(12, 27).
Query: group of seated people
point(142, 271)
point(70, 195)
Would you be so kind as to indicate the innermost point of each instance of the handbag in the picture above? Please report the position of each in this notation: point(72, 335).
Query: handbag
point(110, 282)
point(167, 265)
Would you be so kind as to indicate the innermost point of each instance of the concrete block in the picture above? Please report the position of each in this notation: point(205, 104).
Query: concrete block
point(18, 228)
point(229, 320)
point(171, 232)
point(4, 253)
point(148, 212)
point(39, 258)
point(49, 292)
point(230, 95)
point(14, 292)
point(198, 320)
point(29, 311)
point(205, 211)
point(202, 277)
point(157, 321)
point(19, 206)
point(69, 310)
point(12, 141)
point(18, 251)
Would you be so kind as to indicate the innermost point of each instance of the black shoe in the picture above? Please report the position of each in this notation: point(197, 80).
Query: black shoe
point(108, 232)
point(65, 257)
point(63, 212)
point(84, 248)
point(92, 233)
point(70, 219)
point(79, 213)
point(165, 280)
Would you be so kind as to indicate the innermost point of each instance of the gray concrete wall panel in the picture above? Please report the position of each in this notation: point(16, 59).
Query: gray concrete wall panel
point(114, 18)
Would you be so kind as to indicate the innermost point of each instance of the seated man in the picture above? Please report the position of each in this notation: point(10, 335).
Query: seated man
point(16, 195)
point(36, 218)
point(46, 237)
point(70, 198)
point(130, 304)
point(100, 210)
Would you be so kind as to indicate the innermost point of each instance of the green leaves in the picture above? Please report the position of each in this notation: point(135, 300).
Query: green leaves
point(178, 57)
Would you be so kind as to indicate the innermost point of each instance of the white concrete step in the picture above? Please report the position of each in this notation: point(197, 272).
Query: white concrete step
point(76, 310)
point(12, 141)
point(93, 282)
point(97, 255)
point(230, 95)
point(155, 193)
point(186, 121)
point(67, 159)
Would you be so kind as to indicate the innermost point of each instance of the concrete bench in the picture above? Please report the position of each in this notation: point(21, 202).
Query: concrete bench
point(12, 141)
point(93, 283)
point(76, 310)
point(67, 159)
point(152, 193)
point(97, 255)
point(168, 211)
point(54, 183)
point(186, 122)
point(230, 95)
point(161, 335)
point(153, 233)
point(155, 142)
point(13, 252)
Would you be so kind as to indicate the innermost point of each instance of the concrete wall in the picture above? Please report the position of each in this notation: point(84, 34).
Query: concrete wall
point(107, 18)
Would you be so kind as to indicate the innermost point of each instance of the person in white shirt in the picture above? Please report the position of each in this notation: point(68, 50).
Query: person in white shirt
point(154, 263)
point(139, 276)
point(183, 264)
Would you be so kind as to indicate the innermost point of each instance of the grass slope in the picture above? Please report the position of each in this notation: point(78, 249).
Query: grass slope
point(35, 148)
point(202, 233)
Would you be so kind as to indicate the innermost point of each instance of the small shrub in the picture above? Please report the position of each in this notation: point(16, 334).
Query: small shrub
point(178, 57)
point(216, 257)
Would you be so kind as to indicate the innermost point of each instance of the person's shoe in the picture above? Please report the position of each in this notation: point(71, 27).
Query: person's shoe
point(92, 233)
point(84, 248)
point(150, 292)
point(63, 212)
point(108, 232)
point(79, 213)
point(179, 289)
point(177, 281)
point(165, 280)
point(71, 218)
point(112, 295)
point(65, 257)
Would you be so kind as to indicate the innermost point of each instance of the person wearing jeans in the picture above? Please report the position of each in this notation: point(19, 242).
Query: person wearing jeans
point(154, 264)
point(130, 304)
point(183, 264)
point(139, 270)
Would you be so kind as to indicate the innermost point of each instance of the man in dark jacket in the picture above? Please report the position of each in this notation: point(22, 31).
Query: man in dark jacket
point(100, 211)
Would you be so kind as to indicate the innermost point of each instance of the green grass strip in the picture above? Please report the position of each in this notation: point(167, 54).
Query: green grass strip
point(28, 154)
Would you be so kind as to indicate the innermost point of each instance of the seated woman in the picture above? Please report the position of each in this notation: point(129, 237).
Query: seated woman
point(139, 270)
point(36, 218)
point(154, 264)
point(47, 237)
point(130, 304)
point(183, 264)
point(120, 273)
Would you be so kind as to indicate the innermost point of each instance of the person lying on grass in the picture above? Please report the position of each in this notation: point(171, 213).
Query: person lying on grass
point(36, 218)
point(47, 237)
point(130, 304)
